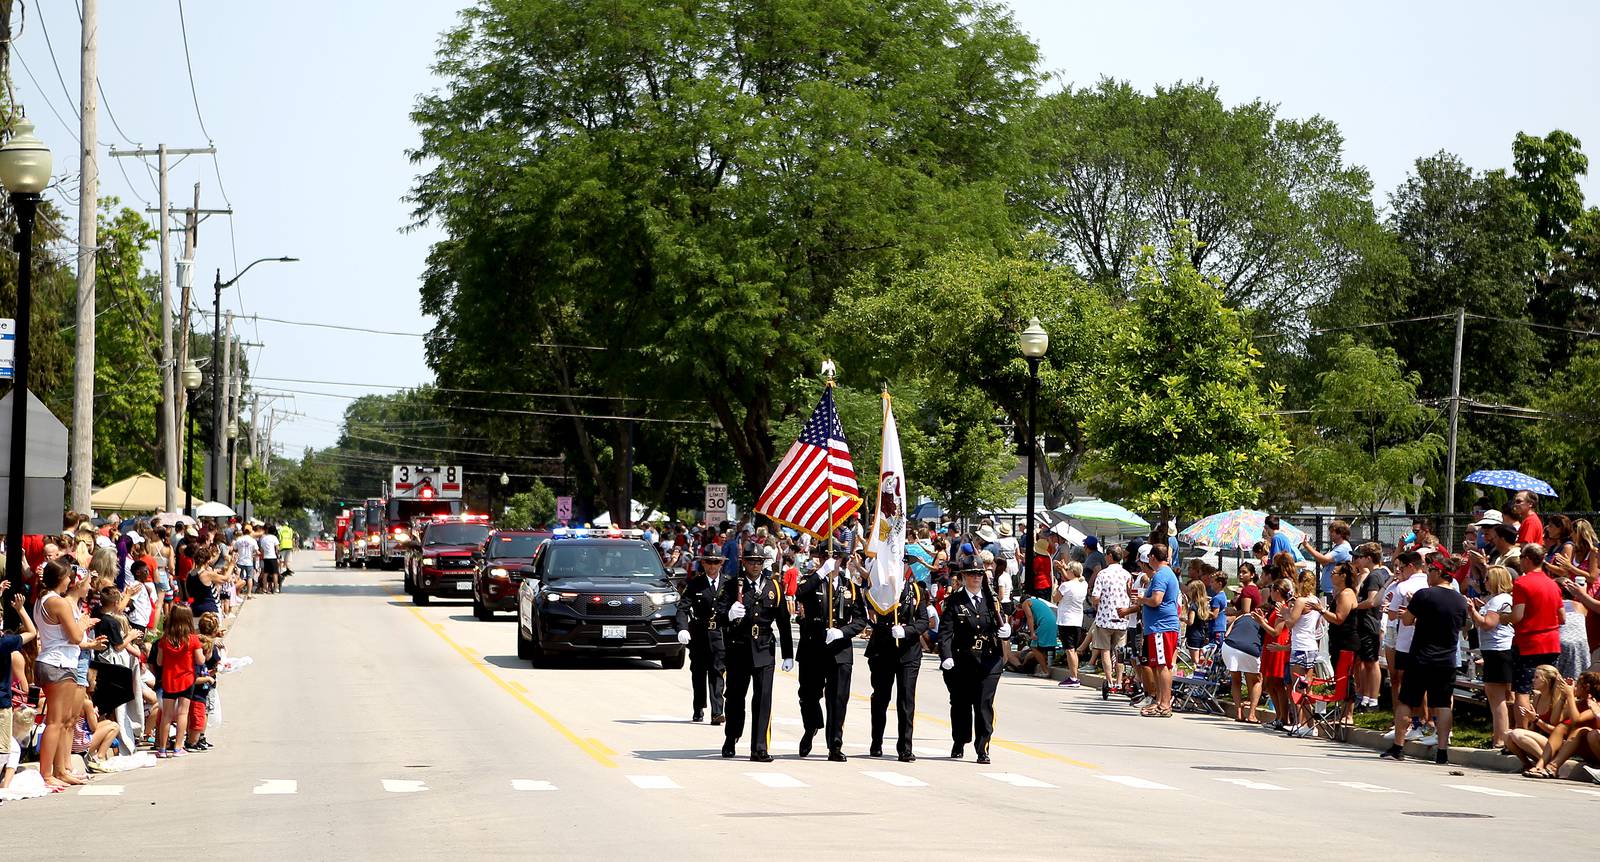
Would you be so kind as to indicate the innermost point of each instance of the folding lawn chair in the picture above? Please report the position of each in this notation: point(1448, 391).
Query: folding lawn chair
point(1327, 697)
point(1197, 692)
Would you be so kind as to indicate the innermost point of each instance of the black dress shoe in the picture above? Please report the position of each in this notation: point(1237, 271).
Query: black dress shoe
point(805, 742)
point(958, 751)
point(907, 757)
point(837, 756)
point(761, 757)
point(875, 751)
point(698, 716)
point(718, 719)
point(983, 758)
point(727, 749)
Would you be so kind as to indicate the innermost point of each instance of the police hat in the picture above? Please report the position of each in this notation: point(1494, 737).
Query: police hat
point(709, 558)
point(753, 552)
point(970, 569)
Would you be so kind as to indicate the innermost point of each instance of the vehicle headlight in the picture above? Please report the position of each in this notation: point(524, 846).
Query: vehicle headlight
point(429, 561)
point(663, 598)
point(556, 597)
point(498, 572)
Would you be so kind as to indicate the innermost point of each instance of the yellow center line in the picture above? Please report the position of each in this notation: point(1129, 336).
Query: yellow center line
point(1018, 747)
point(601, 753)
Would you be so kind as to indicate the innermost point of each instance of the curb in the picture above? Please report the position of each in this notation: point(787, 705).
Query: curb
point(1474, 758)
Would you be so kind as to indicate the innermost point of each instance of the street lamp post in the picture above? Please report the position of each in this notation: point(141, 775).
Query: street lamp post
point(244, 510)
point(1033, 341)
point(504, 481)
point(217, 386)
point(191, 385)
point(233, 443)
point(24, 171)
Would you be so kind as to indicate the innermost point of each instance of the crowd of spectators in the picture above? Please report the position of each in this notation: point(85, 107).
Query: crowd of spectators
point(112, 643)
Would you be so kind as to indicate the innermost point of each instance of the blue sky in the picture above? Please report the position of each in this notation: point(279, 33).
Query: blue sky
point(308, 104)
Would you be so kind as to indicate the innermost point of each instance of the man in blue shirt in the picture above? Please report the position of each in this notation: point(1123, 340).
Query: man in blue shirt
point(1339, 553)
point(1159, 611)
point(1277, 541)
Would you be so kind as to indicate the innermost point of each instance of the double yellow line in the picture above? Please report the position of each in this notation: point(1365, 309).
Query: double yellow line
point(599, 751)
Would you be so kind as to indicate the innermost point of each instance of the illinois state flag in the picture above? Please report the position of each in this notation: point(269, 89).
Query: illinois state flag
point(886, 544)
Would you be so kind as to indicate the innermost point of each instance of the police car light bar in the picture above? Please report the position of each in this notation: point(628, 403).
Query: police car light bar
point(587, 532)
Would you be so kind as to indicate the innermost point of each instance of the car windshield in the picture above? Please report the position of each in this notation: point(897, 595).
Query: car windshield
point(514, 546)
point(603, 561)
point(456, 534)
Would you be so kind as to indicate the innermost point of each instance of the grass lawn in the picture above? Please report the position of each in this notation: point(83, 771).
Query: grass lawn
point(1472, 727)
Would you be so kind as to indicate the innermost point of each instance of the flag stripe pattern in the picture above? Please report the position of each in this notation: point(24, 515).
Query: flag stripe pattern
point(816, 476)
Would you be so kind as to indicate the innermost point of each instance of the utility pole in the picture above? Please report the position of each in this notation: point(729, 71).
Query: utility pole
point(221, 383)
point(1455, 417)
point(82, 450)
point(171, 430)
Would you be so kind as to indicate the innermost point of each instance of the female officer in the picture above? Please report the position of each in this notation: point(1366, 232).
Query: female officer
point(970, 633)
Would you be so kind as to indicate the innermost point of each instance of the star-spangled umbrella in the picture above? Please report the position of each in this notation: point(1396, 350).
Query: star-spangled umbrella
point(1511, 480)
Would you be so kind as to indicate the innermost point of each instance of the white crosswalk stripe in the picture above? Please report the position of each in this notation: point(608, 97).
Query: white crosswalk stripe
point(1488, 791)
point(1250, 784)
point(399, 785)
point(1587, 791)
point(100, 790)
point(1016, 780)
point(896, 779)
point(276, 787)
point(1368, 788)
point(776, 779)
point(1136, 783)
point(654, 782)
point(530, 784)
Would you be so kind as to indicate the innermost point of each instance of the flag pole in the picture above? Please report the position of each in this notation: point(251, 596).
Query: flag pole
point(829, 370)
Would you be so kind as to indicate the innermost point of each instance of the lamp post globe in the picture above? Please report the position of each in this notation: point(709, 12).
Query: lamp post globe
point(1033, 342)
point(192, 377)
point(25, 164)
point(248, 463)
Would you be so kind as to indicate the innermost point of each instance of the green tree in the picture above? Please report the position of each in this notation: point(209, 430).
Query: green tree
point(1277, 213)
point(312, 484)
point(956, 320)
point(689, 186)
point(1568, 438)
point(1182, 425)
point(127, 341)
point(1373, 438)
point(530, 509)
point(1547, 170)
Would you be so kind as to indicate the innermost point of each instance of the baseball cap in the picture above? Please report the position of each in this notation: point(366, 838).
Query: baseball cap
point(1091, 543)
point(1144, 553)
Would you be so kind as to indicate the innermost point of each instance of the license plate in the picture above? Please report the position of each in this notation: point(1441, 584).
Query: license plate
point(614, 632)
point(463, 586)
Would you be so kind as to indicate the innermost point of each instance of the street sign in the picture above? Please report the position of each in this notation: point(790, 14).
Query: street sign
point(716, 504)
point(44, 465)
point(8, 347)
point(563, 508)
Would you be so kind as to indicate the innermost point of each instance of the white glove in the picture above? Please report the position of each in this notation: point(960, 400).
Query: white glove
point(788, 665)
point(736, 612)
point(1005, 630)
point(947, 664)
point(683, 637)
point(898, 632)
point(832, 635)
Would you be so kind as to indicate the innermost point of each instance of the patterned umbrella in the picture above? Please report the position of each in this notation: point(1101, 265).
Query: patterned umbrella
point(1235, 528)
point(1512, 481)
point(1099, 516)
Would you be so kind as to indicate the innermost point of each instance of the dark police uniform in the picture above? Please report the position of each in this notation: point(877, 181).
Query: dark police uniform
point(697, 614)
point(969, 635)
point(749, 644)
point(827, 602)
point(894, 663)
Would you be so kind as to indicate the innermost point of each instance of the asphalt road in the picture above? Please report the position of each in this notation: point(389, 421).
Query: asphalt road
point(368, 728)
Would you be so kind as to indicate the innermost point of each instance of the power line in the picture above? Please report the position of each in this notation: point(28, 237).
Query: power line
point(1588, 332)
point(475, 391)
point(183, 29)
point(1354, 326)
point(451, 451)
point(370, 331)
point(499, 410)
point(59, 77)
point(49, 104)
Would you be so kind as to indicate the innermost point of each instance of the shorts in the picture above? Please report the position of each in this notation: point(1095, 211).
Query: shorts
point(1303, 658)
point(81, 674)
point(1070, 636)
point(1389, 631)
point(1522, 683)
point(1499, 666)
point(197, 715)
point(1160, 649)
point(1367, 644)
point(49, 674)
point(174, 695)
point(1109, 639)
point(6, 740)
point(1436, 682)
point(269, 567)
point(1238, 661)
point(1196, 637)
point(1402, 662)
point(246, 573)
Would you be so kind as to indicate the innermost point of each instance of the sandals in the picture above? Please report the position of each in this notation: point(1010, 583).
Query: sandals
point(1538, 773)
point(1155, 712)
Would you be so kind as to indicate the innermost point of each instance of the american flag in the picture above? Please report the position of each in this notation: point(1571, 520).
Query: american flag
point(817, 471)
